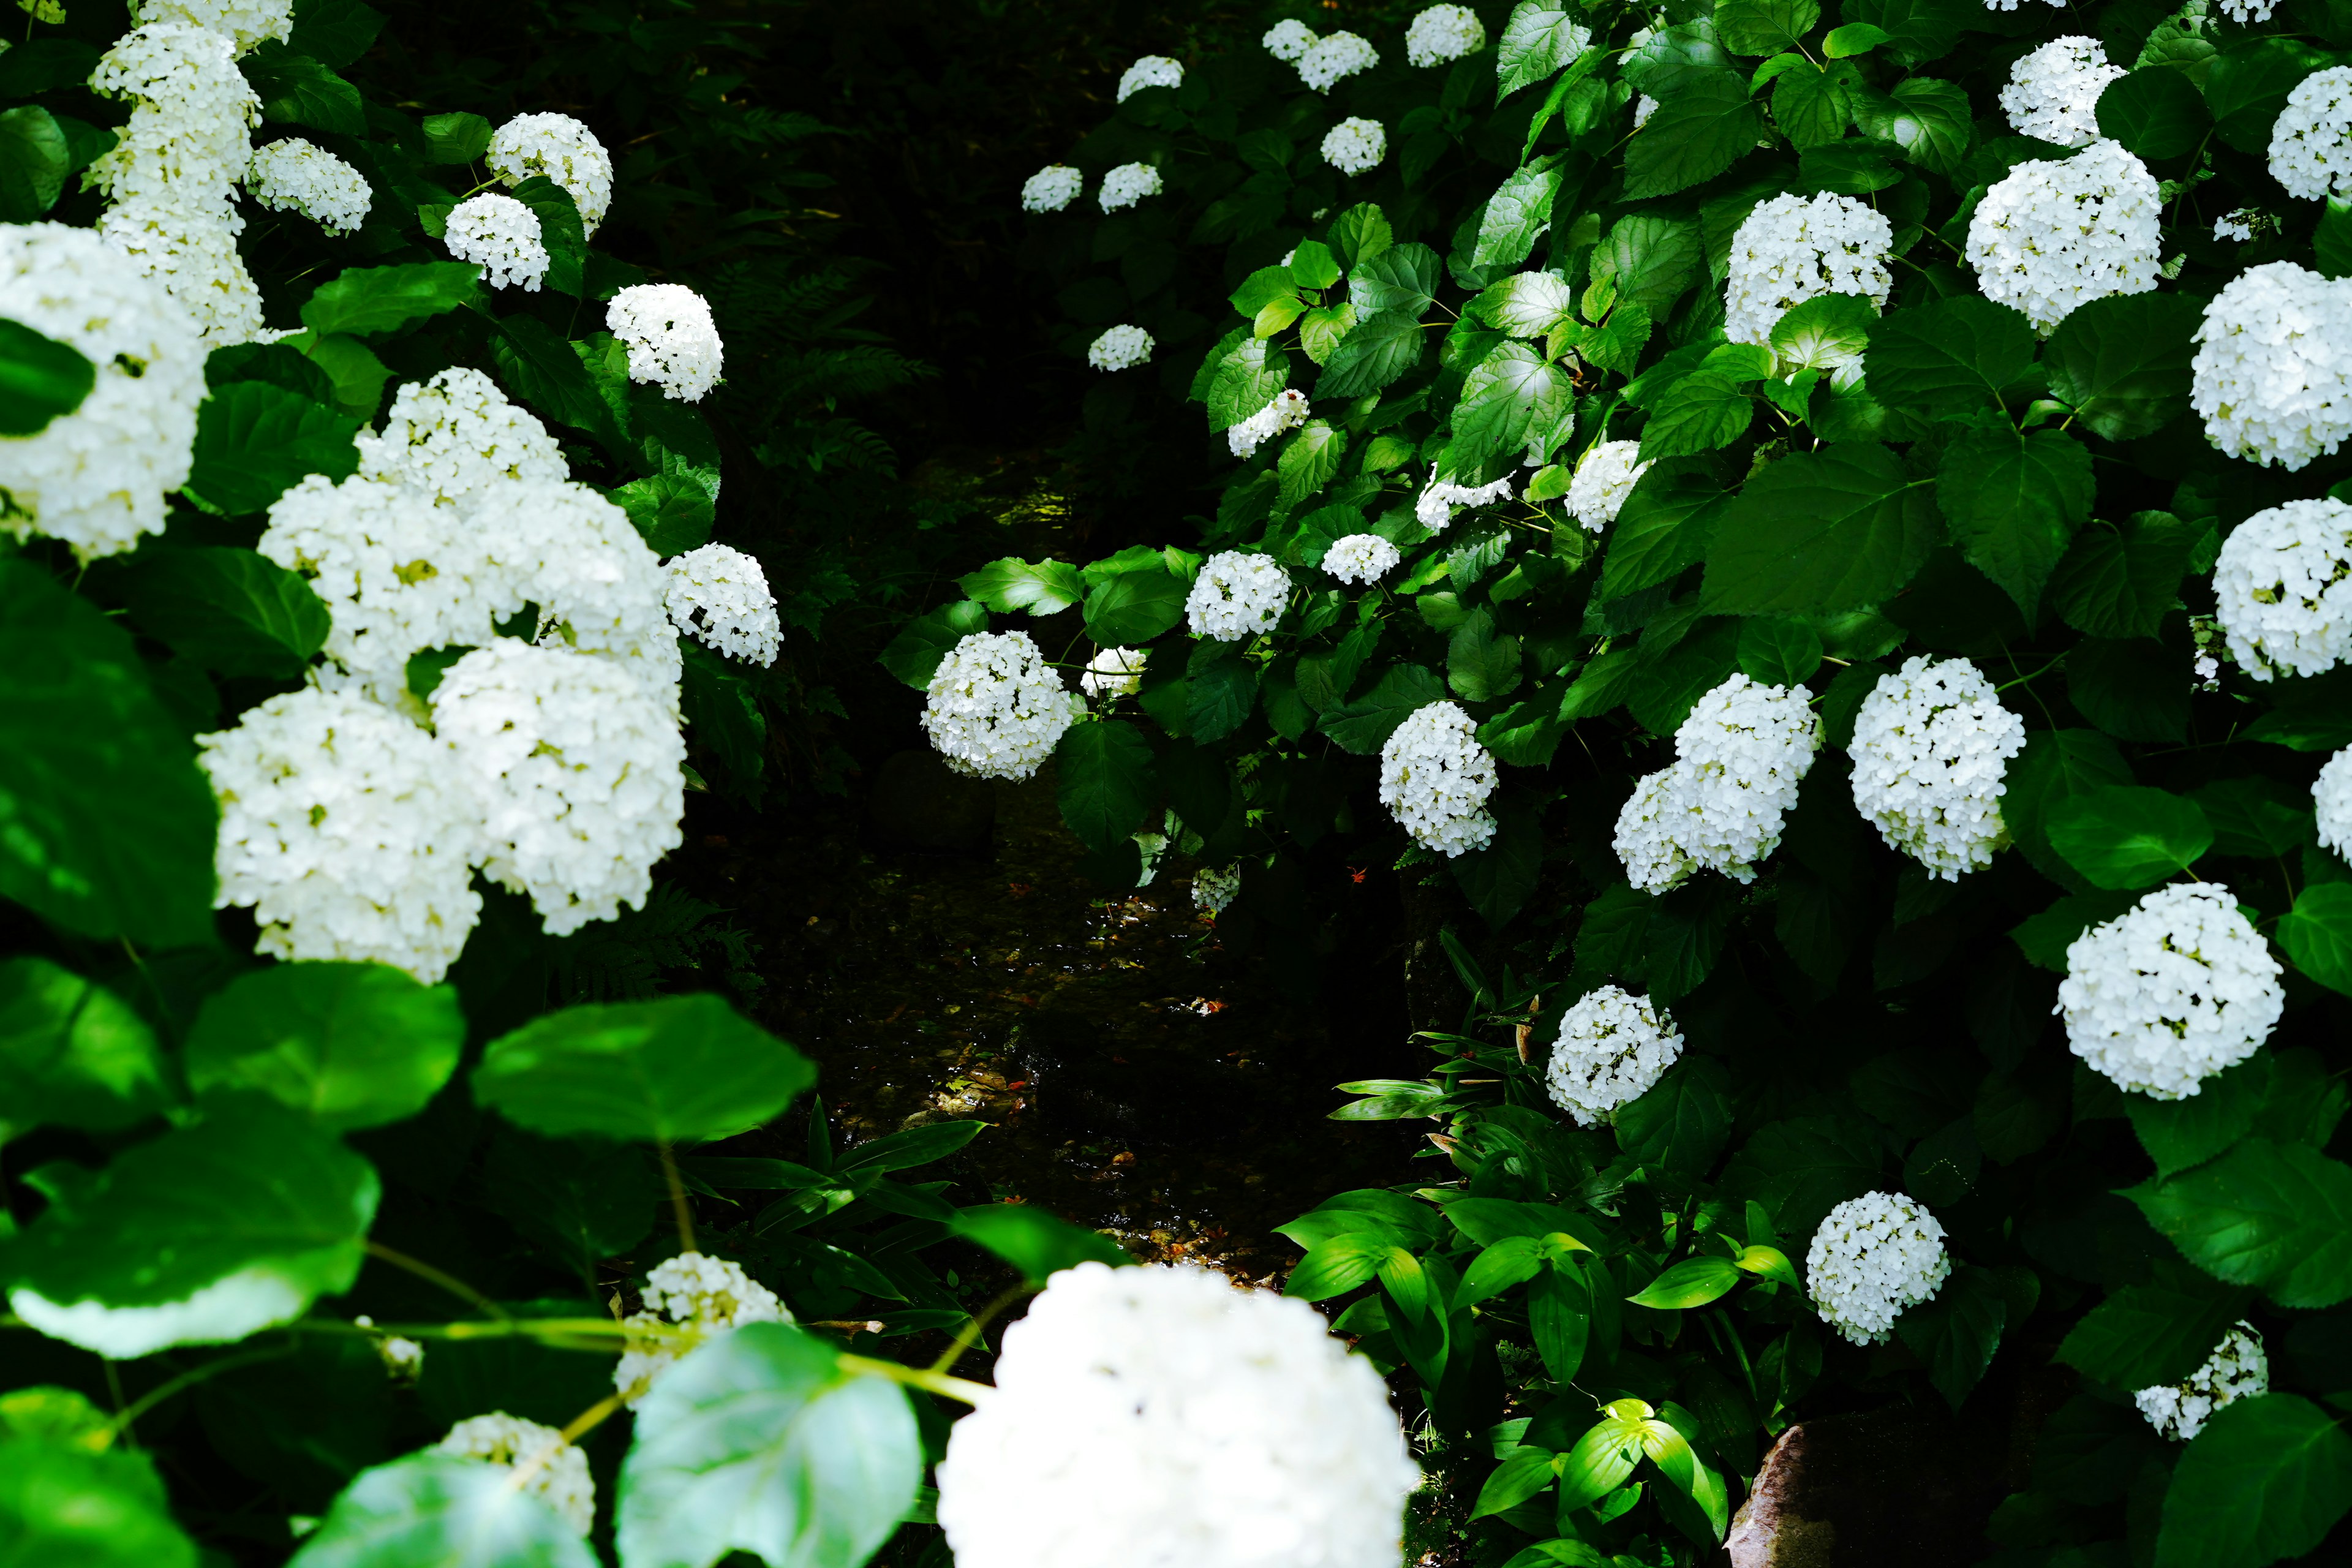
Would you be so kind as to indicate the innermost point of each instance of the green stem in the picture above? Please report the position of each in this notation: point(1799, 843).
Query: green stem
point(678, 1205)
point(448, 1282)
point(918, 1377)
point(973, 1327)
point(189, 1379)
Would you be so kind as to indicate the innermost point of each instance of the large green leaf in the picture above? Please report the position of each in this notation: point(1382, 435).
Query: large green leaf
point(366, 301)
point(1956, 1331)
point(2014, 502)
point(41, 379)
point(1682, 1123)
point(2267, 1479)
point(561, 229)
point(35, 160)
point(299, 91)
point(1692, 136)
point(1038, 1243)
point(1131, 607)
point(1518, 211)
point(2134, 690)
point(1364, 725)
point(1042, 587)
point(2122, 361)
point(1246, 378)
point(914, 654)
point(1764, 27)
point(672, 513)
point(1836, 529)
point(1948, 357)
point(1104, 781)
point(2317, 933)
point(2156, 1332)
point(1310, 459)
point(1540, 37)
point(1508, 396)
point(336, 31)
point(438, 1509)
point(1928, 118)
point(1826, 333)
point(233, 611)
point(1403, 279)
point(1801, 1169)
point(581, 1199)
point(255, 441)
point(2128, 837)
point(1526, 304)
point(458, 137)
point(62, 1506)
point(72, 1054)
point(1916, 30)
point(2155, 112)
point(1698, 414)
point(545, 372)
point(2247, 86)
point(2055, 767)
point(1663, 527)
point(2179, 1133)
point(2120, 580)
point(2277, 1216)
point(1375, 353)
point(353, 1045)
point(1652, 258)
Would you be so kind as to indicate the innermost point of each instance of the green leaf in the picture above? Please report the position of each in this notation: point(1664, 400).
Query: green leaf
point(545, 372)
point(1516, 215)
point(2055, 767)
point(1509, 396)
point(1310, 461)
point(1312, 265)
point(1957, 1333)
point(1375, 353)
point(672, 513)
point(40, 378)
point(2158, 1332)
point(64, 1507)
point(2155, 112)
point(233, 611)
point(1826, 333)
point(1664, 528)
point(2179, 1133)
point(1836, 529)
point(106, 823)
point(1133, 607)
point(2247, 85)
point(1364, 725)
point(681, 1068)
point(914, 654)
point(1526, 304)
point(34, 163)
point(579, 1199)
point(761, 1441)
point(2128, 837)
point(297, 89)
point(2267, 1479)
point(1038, 1243)
point(1764, 27)
point(1482, 665)
point(1695, 135)
point(1012, 583)
point(1812, 106)
point(1928, 120)
point(2120, 581)
point(2260, 818)
point(1775, 650)
point(1651, 258)
point(561, 229)
point(436, 1508)
point(1403, 279)
point(72, 1054)
point(1698, 414)
point(256, 441)
point(1801, 1169)
point(1105, 782)
point(1852, 39)
point(457, 137)
point(2134, 690)
point(1950, 357)
point(2277, 1216)
point(357, 374)
point(2122, 361)
point(351, 1044)
point(1359, 234)
point(1916, 30)
point(335, 31)
point(1244, 379)
point(1680, 1124)
point(202, 1236)
point(366, 301)
point(2317, 933)
point(2014, 502)
point(1692, 1282)
point(1524, 1472)
point(1539, 38)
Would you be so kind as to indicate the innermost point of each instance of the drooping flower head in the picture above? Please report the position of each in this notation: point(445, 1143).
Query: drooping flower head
point(1151, 70)
point(2236, 1370)
point(1604, 476)
point(295, 176)
point(1435, 508)
point(2171, 992)
point(1286, 410)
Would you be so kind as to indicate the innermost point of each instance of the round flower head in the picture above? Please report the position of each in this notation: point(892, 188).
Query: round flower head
point(1114, 673)
point(2054, 92)
point(2236, 1370)
point(703, 1296)
point(2058, 233)
point(561, 148)
point(2242, 224)
point(672, 341)
point(1795, 248)
point(1151, 70)
point(455, 435)
point(576, 770)
point(245, 22)
point(2331, 799)
point(1361, 558)
point(1742, 750)
point(2273, 376)
point(1931, 749)
point(2283, 588)
point(342, 830)
point(2311, 140)
point(1215, 888)
point(995, 708)
point(1288, 40)
point(1435, 778)
point(1122, 347)
point(1286, 410)
point(1604, 476)
point(1052, 188)
point(1873, 1258)
point(1236, 596)
point(295, 176)
point(720, 597)
point(1355, 145)
point(1334, 59)
point(1443, 33)
point(1435, 508)
point(96, 478)
point(1126, 185)
point(559, 1478)
point(1162, 1414)
point(2171, 992)
point(1649, 832)
point(501, 237)
point(1613, 1046)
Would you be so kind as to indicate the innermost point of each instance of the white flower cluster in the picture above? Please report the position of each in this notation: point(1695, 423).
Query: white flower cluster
point(1434, 507)
point(403, 1358)
point(703, 1296)
point(2171, 992)
point(1052, 188)
point(1604, 476)
point(295, 176)
point(97, 478)
point(245, 22)
point(2311, 140)
point(1361, 558)
point(1931, 749)
point(2242, 11)
point(1739, 756)
point(1334, 59)
point(2011, 5)
point(1288, 40)
point(2058, 233)
point(1164, 1406)
point(1236, 596)
point(1286, 410)
point(2054, 92)
point(995, 709)
point(2236, 1370)
point(2205, 635)
point(1120, 348)
point(2331, 800)
point(719, 596)
point(1215, 888)
point(1435, 778)
point(1611, 1048)
point(2240, 225)
point(2273, 376)
point(2283, 588)
point(1355, 145)
point(1113, 672)
point(1794, 248)
point(454, 436)
point(563, 150)
point(1126, 185)
point(501, 237)
point(1443, 33)
point(1151, 70)
point(1875, 1257)
point(671, 339)
point(559, 1476)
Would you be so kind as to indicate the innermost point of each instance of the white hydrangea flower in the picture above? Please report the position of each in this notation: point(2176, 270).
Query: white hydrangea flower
point(1435, 508)
point(342, 830)
point(1164, 1406)
point(1643, 107)
point(295, 176)
point(2054, 92)
point(1649, 826)
point(2058, 233)
point(1288, 40)
point(1435, 778)
point(1151, 70)
point(2011, 5)
point(561, 148)
point(1794, 248)
point(1286, 410)
point(599, 586)
point(703, 1297)
point(2331, 799)
point(2273, 376)
point(1611, 1048)
point(2243, 11)
point(2311, 140)
point(2236, 1370)
point(404, 1359)
point(720, 596)
point(1122, 347)
point(1355, 145)
point(245, 22)
point(501, 237)
point(672, 341)
point(1742, 750)
point(2172, 990)
point(1334, 59)
point(1126, 185)
point(96, 478)
point(1214, 889)
point(2238, 224)
point(1873, 1258)
point(1052, 188)
point(1114, 673)
point(1604, 476)
point(1236, 596)
point(1361, 558)
point(576, 769)
point(2283, 588)
point(1444, 33)
point(1931, 749)
point(995, 708)
point(558, 1473)
point(457, 434)
point(192, 254)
